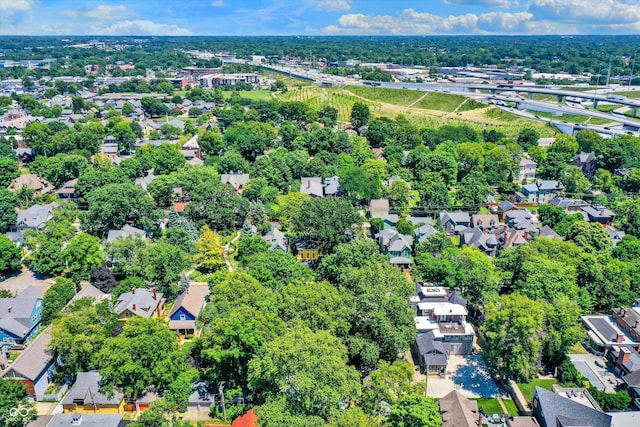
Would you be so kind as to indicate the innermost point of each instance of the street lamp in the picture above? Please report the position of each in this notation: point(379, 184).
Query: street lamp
point(633, 65)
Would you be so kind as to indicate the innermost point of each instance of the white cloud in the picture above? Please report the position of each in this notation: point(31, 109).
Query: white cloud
point(13, 5)
point(410, 21)
point(139, 27)
point(609, 12)
point(331, 5)
point(217, 3)
point(104, 12)
point(484, 3)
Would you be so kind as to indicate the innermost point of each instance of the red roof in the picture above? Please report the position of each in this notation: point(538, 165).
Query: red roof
point(248, 419)
point(179, 206)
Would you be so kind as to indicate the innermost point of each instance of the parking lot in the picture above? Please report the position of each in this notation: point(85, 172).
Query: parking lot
point(467, 374)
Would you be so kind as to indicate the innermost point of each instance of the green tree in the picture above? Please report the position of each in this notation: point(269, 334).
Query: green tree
point(48, 259)
point(153, 107)
point(124, 135)
point(628, 218)
point(167, 158)
point(145, 354)
point(356, 417)
point(8, 171)
point(248, 246)
point(592, 237)
point(528, 138)
point(38, 136)
point(165, 87)
point(10, 255)
point(114, 205)
point(210, 250)
point(360, 114)
point(56, 297)
point(574, 180)
point(163, 265)
point(388, 383)
point(14, 394)
point(127, 109)
point(415, 410)
point(330, 219)
point(512, 329)
point(127, 285)
point(472, 191)
point(433, 191)
point(81, 255)
point(277, 268)
point(310, 367)
point(77, 104)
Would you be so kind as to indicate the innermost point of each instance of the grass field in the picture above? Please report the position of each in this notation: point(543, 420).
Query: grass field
point(511, 407)
point(401, 97)
point(529, 388)
point(492, 406)
point(573, 118)
point(630, 94)
point(254, 95)
point(447, 102)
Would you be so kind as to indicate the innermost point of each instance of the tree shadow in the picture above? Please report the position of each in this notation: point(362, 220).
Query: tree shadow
point(474, 377)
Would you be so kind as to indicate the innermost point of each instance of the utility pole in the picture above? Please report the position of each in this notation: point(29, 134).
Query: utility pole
point(221, 391)
point(633, 65)
point(608, 74)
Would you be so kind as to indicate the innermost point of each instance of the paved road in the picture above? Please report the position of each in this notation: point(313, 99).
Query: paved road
point(20, 282)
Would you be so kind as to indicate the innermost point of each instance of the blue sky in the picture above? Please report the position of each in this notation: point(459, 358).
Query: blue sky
point(335, 17)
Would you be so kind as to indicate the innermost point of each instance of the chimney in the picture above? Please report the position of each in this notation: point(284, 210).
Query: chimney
point(133, 291)
point(134, 307)
point(636, 324)
point(308, 183)
point(602, 212)
point(558, 184)
point(624, 356)
point(155, 294)
point(619, 338)
point(526, 235)
point(9, 309)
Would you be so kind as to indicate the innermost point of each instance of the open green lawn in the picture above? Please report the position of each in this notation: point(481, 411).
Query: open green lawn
point(402, 97)
point(528, 389)
point(492, 406)
point(254, 95)
point(630, 94)
point(573, 118)
point(447, 102)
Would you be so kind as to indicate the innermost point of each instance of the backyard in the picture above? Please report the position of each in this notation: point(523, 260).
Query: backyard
point(529, 388)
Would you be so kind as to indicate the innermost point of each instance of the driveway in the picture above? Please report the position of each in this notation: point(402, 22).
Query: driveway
point(467, 374)
point(19, 282)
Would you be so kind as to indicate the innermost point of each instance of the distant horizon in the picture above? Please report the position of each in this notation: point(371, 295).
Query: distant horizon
point(260, 18)
point(193, 36)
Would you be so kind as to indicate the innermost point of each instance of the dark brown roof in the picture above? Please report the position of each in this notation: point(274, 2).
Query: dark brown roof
point(458, 411)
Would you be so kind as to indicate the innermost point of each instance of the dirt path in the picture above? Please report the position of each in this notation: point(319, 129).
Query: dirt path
point(418, 100)
point(504, 408)
point(226, 248)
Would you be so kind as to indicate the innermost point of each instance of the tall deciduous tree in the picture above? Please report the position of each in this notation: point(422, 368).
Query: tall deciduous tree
point(415, 410)
point(10, 255)
point(512, 329)
point(163, 265)
point(81, 255)
point(56, 297)
point(210, 253)
point(310, 368)
point(360, 114)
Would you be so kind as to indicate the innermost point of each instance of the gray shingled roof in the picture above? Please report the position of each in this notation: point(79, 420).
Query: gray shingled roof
point(458, 411)
point(15, 313)
point(125, 232)
point(33, 360)
point(553, 406)
point(90, 420)
point(35, 216)
point(87, 388)
point(139, 301)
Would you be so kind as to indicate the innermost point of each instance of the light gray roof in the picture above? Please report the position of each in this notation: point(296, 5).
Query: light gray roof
point(543, 185)
point(553, 406)
point(15, 313)
point(192, 143)
point(394, 241)
point(33, 360)
point(237, 180)
point(109, 148)
point(35, 216)
point(567, 203)
point(518, 214)
point(124, 232)
point(416, 220)
point(458, 217)
point(547, 231)
point(614, 234)
point(276, 239)
point(312, 186)
point(506, 205)
point(598, 212)
point(423, 232)
point(87, 388)
point(91, 420)
point(145, 180)
point(139, 301)
point(331, 185)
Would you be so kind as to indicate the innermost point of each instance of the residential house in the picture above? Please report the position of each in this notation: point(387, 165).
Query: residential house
point(202, 398)
point(449, 323)
point(604, 333)
point(520, 219)
point(395, 244)
point(542, 191)
point(629, 320)
point(431, 354)
point(631, 383)
point(378, 207)
point(476, 238)
point(35, 366)
point(419, 220)
point(527, 170)
point(237, 180)
point(33, 182)
point(33, 218)
point(196, 161)
point(277, 239)
point(20, 317)
point(458, 411)
point(614, 234)
point(312, 186)
point(548, 232)
point(68, 191)
point(625, 358)
point(191, 148)
point(423, 232)
point(139, 302)
point(510, 237)
point(86, 420)
point(185, 310)
point(485, 222)
point(553, 410)
point(307, 250)
point(332, 186)
point(546, 142)
point(569, 205)
point(85, 396)
point(144, 181)
point(455, 222)
point(598, 214)
point(586, 162)
point(124, 232)
point(504, 207)
point(25, 155)
point(109, 148)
